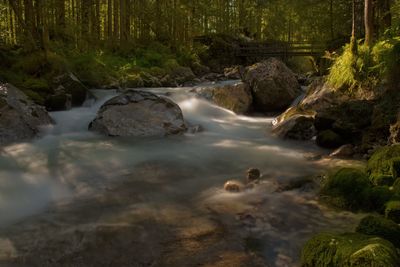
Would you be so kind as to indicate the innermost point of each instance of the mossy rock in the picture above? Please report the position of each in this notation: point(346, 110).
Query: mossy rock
point(379, 226)
point(392, 210)
point(347, 189)
point(377, 197)
point(133, 81)
point(36, 85)
point(382, 179)
point(396, 186)
point(395, 168)
point(329, 139)
point(348, 250)
point(381, 161)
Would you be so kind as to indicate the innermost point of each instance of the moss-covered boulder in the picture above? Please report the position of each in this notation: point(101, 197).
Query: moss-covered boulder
point(392, 210)
point(379, 226)
point(377, 197)
point(396, 186)
point(72, 86)
point(384, 162)
point(347, 188)
point(329, 139)
point(348, 250)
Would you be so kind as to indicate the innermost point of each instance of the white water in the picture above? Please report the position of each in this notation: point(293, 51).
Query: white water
point(69, 162)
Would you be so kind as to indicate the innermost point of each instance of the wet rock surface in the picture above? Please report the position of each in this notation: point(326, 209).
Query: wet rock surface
point(274, 86)
point(140, 114)
point(20, 118)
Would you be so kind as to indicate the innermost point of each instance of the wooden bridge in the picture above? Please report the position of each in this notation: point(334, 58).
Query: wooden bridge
point(253, 49)
point(281, 49)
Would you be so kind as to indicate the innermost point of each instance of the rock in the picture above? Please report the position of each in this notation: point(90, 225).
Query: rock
point(320, 96)
point(392, 211)
point(60, 100)
point(345, 151)
point(378, 226)
point(394, 137)
point(213, 77)
point(195, 129)
point(234, 73)
point(73, 87)
point(233, 186)
point(297, 127)
point(329, 139)
point(139, 113)
point(347, 119)
point(149, 80)
point(346, 189)
point(133, 81)
point(199, 69)
point(20, 118)
point(182, 75)
point(349, 249)
point(167, 81)
point(252, 175)
point(236, 97)
point(274, 86)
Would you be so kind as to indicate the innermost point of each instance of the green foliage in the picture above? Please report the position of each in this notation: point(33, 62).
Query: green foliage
point(365, 66)
point(348, 250)
point(347, 189)
point(381, 161)
point(378, 226)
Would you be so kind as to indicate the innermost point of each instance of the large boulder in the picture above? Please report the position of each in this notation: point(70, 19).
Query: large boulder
point(273, 84)
point(236, 97)
point(296, 127)
point(140, 114)
point(73, 87)
point(20, 118)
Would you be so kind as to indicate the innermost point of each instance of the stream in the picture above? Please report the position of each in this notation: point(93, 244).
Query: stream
point(74, 198)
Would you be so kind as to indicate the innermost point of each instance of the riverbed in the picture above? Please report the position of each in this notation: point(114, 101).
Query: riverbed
point(74, 198)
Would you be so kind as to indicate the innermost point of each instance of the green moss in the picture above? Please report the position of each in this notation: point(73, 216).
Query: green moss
point(381, 161)
point(392, 210)
point(395, 168)
point(329, 139)
point(396, 186)
point(37, 98)
point(382, 227)
point(347, 189)
point(348, 250)
point(377, 197)
point(36, 85)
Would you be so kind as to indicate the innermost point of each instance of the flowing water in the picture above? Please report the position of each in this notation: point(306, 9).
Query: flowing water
point(72, 178)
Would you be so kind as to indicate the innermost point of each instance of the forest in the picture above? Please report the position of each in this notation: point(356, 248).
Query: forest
point(215, 133)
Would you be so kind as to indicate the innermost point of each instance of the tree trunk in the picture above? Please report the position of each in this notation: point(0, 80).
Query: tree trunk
point(369, 23)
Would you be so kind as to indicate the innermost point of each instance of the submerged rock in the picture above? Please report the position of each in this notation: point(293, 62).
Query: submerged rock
point(274, 86)
point(236, 97)
point(252, 175)
point(20, 118)
point(139, 113)
point(233, 186)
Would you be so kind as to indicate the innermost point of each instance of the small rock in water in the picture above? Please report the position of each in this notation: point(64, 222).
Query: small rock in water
point(233, 186)
point(253, 174)
point(195, 129)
